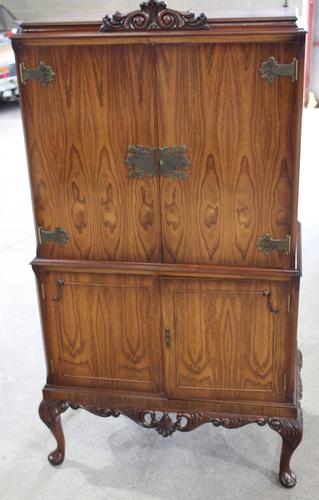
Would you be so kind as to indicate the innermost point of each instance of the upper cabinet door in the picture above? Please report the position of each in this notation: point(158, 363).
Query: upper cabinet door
point(78, 129)
point(234, 175)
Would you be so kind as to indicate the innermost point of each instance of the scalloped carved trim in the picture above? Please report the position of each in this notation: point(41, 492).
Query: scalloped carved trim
point(154, 15)
point(166, 423)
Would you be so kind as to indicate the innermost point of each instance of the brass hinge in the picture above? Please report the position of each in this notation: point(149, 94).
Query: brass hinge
point(52, 366)
point(59, 235)
point(43, 73)
point(285, 382)
point(271, 70)
point(43, 291)
point(267, 244)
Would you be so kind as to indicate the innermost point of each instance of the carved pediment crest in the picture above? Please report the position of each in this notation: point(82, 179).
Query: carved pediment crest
point(154, 15)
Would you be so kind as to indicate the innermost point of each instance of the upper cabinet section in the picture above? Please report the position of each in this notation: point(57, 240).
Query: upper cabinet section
point(164, 137)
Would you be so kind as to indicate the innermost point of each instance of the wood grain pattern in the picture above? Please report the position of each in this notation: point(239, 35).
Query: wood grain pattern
point(105, 331)
point(238, 130)
point(78, 132)
point(227, 343)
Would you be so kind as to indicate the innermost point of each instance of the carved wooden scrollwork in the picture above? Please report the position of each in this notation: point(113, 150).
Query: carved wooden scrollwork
point(154, 15)
point(100, 412)
point(166, 423)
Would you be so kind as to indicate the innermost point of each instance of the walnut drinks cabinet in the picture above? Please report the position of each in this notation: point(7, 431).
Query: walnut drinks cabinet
point(163, 151)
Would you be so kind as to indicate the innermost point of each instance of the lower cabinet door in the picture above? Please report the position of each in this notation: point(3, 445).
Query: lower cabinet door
point(102, 330)
point(225, 340)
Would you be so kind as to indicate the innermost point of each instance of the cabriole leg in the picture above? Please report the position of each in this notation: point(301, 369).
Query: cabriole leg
point(49, 411)
point(291, 433)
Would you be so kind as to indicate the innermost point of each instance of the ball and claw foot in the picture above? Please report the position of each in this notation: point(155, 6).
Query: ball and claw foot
point(49, 412)
point(56, 457)
point(288, 479)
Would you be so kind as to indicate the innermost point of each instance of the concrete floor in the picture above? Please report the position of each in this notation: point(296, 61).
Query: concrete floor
point(114, 458)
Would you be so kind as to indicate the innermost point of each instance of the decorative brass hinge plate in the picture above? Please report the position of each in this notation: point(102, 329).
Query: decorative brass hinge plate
point(141, 162)
point(267, 244)
point(271, 70)
point(60, 236)
point(174, 162)
point(43, 73)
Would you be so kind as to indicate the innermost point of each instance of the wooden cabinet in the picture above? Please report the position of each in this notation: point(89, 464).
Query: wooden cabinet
point(163, 153)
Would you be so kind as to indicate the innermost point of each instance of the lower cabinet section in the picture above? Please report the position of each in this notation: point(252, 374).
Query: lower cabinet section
point(178, 338)
point(172, 351)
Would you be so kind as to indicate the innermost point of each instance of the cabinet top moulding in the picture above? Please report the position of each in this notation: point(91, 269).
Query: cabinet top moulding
point(221, 26)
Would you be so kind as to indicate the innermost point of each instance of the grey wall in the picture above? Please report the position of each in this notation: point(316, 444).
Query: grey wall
point(49, 9)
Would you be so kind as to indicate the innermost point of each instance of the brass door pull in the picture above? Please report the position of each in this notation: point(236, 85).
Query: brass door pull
point(168, 337)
